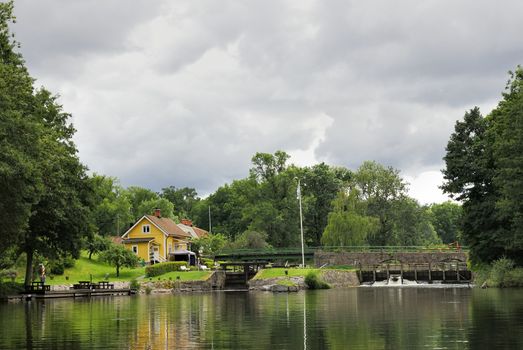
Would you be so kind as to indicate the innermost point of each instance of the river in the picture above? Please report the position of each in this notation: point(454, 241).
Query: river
point(357, 318)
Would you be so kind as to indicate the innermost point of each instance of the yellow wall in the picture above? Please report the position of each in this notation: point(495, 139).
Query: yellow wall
point(136, 232)
point(159, 238)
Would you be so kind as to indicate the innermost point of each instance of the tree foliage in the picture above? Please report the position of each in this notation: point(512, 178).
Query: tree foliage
point(119, 257)
point(44, 186)
point(484, 168)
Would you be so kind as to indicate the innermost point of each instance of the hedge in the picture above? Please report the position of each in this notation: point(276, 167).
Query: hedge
point(160, 269)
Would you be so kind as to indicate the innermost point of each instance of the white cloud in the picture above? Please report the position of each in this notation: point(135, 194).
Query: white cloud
point(184, 93)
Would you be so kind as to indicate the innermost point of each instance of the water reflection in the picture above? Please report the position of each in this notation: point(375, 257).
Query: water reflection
point(362, 318)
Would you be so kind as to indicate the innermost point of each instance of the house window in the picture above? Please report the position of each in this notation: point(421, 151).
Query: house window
point(146, 228)
point(135, 249)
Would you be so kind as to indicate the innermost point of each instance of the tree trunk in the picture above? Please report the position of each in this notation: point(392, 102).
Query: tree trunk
point(117, 270)
point(29, 267)
point(90, 253)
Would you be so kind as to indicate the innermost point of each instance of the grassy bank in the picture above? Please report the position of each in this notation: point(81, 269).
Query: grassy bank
point(295, 272)
point(502, 273)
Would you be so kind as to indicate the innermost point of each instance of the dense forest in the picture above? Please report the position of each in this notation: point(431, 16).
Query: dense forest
point(51, 207)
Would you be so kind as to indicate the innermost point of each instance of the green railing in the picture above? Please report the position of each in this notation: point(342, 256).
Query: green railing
point(356, 249)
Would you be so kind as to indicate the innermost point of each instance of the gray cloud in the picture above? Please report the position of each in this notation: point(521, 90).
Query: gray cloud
point(184, 93)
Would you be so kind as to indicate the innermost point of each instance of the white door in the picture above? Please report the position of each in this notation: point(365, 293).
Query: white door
point(156, 253)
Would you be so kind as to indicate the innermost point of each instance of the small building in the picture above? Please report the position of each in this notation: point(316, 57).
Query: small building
point(157, 239)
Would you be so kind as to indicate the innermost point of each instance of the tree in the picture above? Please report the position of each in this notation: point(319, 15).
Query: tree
point(251, 240)
point(380, 187)
point(411, 225)
point(507, 131)
point(112, 207)
point(136, 196)
point(166, 207)
point(469, 174)
point(209, 244)
point(21, 181)
point(95, 244)
point(44, 189)
point(119, 257)
point(446, 218)
point(347, 224)
point(183, 199)
point(321, 183)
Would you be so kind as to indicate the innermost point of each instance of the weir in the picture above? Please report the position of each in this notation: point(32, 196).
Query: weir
point(444, 272)
point(237, 274)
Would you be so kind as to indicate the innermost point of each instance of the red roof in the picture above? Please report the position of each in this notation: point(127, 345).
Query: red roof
point(168, 226)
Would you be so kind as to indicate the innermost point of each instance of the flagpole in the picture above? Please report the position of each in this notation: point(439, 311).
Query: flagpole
point(301, 226)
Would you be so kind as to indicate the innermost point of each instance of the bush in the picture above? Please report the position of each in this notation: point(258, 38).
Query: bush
point(8, 274)
point(207, 262)
point(313, 281)
point(134, 284)
point(68, 262)
point(160, 269)
point(10, 288)
point(57, 268)
point(499, 271)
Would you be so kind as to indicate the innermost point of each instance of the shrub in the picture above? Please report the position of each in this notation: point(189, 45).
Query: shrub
point(57, 268)
point(160, 269)
point(8, 274)
point(313, 281)
point(207, 262)
point(68, 262)
point(500, 269)
point(134, 284)
point(9, 288)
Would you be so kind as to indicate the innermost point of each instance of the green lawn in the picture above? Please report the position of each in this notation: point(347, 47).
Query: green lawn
point(295, 272)
point(84, 268)
point(184, 276)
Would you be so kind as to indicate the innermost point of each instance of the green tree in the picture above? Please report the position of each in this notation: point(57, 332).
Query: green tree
point(119, 257)
point(136, 196)
point(95, 244)
point(321, 183)
point(112, 207)
point(251, 240)
point(44, 189)
point(446, 218)
point(507, 131)
point(147, 207)
point(183, 199)
point(411, 225)
point(469, 174)
point(380, 187)
point(20, 139)
point(209, 244)
point(347, 224)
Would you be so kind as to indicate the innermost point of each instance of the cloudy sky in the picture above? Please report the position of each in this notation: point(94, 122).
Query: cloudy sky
point(183, 93)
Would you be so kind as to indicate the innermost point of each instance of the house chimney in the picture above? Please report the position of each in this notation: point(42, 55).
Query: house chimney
point(157, 213)
point(187, 222)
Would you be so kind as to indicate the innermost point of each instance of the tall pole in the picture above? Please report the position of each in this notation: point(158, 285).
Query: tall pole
point(301, 226)
point(210, 226)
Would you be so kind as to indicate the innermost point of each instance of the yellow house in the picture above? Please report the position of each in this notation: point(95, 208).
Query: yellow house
point(154, 238)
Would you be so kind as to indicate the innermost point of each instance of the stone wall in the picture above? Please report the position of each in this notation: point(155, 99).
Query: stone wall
point(374, 258)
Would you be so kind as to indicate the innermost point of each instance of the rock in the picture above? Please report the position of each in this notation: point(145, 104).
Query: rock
point(278, 288)
point(293, 288)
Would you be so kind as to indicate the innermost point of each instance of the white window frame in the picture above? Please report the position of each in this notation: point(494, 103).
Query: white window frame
point(134, 248)
point(146, 228)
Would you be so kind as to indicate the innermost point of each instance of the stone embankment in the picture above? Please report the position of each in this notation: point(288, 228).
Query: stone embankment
point(335, 278)
point(215, 281)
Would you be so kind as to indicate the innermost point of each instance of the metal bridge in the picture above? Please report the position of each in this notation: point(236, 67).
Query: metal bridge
point(294, 254)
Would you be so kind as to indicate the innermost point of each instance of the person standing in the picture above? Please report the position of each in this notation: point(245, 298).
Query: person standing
point(41, 270)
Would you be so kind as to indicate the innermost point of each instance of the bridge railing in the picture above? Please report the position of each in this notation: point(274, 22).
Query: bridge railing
point(355, 249)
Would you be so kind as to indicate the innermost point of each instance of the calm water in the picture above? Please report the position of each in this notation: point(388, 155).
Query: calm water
point(359, 318)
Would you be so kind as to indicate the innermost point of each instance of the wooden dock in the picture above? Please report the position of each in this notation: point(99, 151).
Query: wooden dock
point(71, 293)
